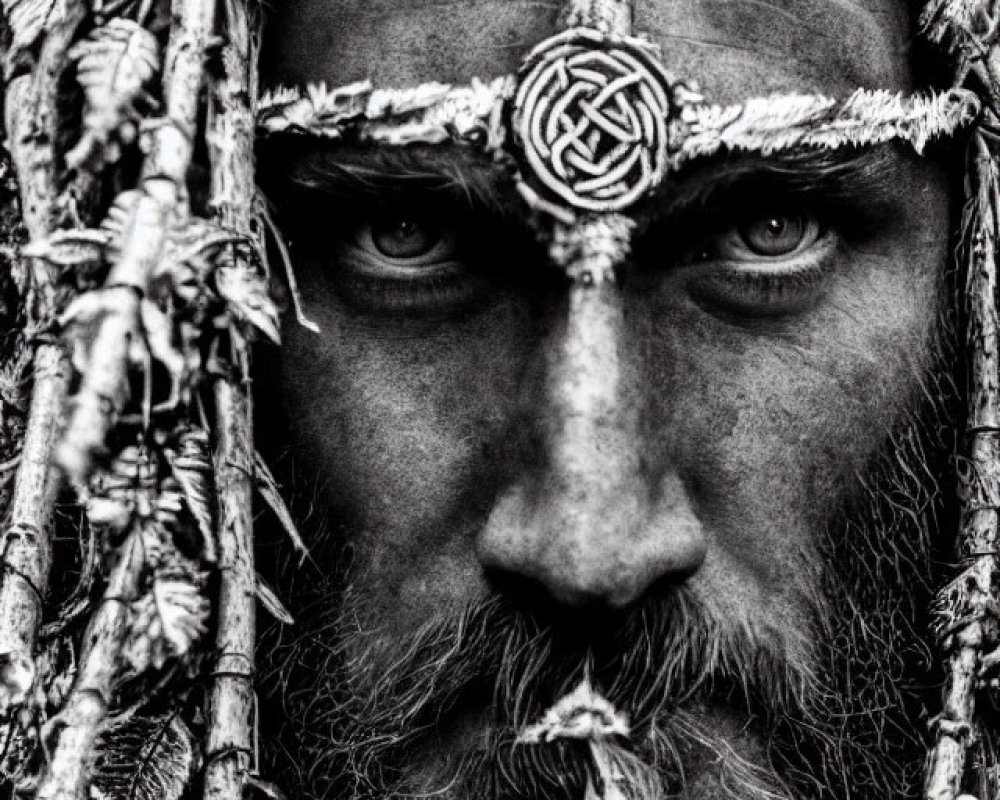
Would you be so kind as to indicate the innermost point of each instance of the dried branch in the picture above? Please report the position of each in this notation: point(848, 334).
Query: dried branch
point(162, 199)
point(76, 727)
point(25, 547)
point(967, 612)
point(229, 746)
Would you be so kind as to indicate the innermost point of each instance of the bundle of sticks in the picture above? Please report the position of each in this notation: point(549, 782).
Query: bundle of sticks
point(141, 280)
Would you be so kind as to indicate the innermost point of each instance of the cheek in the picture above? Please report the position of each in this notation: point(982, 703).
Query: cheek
point(772, 426)
point(402, 420)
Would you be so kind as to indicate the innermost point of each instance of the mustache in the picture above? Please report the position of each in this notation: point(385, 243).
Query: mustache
point(668, 653)
point(367, 705)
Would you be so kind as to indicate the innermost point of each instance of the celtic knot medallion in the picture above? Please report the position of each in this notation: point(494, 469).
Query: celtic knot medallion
point(590, 119)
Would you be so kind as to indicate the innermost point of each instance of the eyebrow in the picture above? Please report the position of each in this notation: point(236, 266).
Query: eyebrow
point(375, 174)
point(846, 173)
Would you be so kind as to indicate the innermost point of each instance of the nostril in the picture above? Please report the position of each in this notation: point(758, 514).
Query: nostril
point(583, 574)
point(596, 548)
point(520, 567)
point(573, 613)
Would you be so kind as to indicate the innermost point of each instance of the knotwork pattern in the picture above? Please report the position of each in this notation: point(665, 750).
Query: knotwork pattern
point(590, 117)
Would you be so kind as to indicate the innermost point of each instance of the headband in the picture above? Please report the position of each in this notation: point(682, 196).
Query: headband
point(593, 124)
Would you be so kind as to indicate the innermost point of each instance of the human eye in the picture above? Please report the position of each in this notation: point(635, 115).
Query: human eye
point(411, 233)
point(768, 263)
point(410, 254)
point(754, 238)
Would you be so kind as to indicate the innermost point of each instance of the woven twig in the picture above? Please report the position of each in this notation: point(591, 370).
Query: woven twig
point(431, 113)
point(229, 745)
point(784, 122)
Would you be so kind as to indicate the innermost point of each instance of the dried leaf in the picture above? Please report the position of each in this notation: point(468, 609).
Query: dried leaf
point(268, 488)
point(191, 253)
point(166, 622)
point(114, 514)
point(272, 603)
point(17, 672)
point(27, 20)
point(114, 65)
point(71, 248)
point(200, 242)
point(191, 467)
point(144, 758)
point(583, 713)
point(248, 300)
point(82, 316)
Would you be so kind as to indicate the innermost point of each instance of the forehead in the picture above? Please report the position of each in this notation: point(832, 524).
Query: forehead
point(733, 48)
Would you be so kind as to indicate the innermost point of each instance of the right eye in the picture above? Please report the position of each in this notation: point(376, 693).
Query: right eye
point(403, 243)
point(404, 235)
point(406, 258)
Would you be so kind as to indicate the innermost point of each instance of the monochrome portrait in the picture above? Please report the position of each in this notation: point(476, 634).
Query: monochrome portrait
point(500, 400)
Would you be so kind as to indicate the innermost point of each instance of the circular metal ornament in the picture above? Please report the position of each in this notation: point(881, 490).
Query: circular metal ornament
point(590, 119)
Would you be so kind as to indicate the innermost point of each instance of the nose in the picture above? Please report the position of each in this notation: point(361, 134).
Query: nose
point(588, 517)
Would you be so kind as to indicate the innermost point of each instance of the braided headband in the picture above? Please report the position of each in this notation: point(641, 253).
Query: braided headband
point(593, 124)
point(598, 140)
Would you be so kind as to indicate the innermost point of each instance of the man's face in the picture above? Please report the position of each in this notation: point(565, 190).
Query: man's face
point(665, 499)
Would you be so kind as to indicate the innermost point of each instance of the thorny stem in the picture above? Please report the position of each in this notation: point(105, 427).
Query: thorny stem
point(967, 602)
point(229, 747)
point(77, 725)
point(32, 123)
point(163, 199)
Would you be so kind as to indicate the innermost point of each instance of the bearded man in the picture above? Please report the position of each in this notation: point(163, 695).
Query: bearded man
point(604, 520)
point(638, 399)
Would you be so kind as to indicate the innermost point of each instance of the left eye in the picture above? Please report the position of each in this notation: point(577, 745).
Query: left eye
point(769, 236)
point(766, 265)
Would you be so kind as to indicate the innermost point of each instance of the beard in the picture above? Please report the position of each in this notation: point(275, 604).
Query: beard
point(713, 710)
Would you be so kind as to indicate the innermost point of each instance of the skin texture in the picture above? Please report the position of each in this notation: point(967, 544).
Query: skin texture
point(684, 430)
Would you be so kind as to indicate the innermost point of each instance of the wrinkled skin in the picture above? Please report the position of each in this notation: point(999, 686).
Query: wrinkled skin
point(726, 421)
